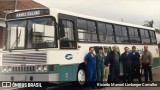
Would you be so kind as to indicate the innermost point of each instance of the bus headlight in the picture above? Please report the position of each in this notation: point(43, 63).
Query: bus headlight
point(39, 68)
point(9, 69)
point(4, 69)
point(45, 68)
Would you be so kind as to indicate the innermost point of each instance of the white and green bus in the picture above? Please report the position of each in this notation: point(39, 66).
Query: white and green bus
point(50, 44)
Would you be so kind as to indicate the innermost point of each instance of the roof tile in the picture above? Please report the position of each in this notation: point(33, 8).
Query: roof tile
point(8, 5)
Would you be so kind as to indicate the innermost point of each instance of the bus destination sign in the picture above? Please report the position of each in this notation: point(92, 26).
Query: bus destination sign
point(27, 13)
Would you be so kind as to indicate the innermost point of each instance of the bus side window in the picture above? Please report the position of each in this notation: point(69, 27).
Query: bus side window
point(153, 37)
point(145, 36)
point(87, 30)
point(134, 35)
point(67, 39)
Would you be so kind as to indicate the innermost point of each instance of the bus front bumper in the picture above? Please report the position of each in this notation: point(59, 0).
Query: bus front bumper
point(30, 77)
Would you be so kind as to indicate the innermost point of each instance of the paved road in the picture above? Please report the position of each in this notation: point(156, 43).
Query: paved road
point(71, 86)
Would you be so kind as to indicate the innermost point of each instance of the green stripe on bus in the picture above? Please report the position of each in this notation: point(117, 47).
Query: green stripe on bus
point(68, 72)
point(156, 62)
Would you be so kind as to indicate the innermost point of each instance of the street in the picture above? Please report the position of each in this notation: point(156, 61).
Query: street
point(156, 77)
point(72, 86)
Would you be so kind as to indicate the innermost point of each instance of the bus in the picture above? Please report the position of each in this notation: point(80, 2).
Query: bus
point(50, 44)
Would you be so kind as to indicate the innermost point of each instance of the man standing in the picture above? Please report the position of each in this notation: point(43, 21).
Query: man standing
point(126, 63)
point(90, 61)
point(114, 57)
point(100, 65)
point(146, 63)
point(106, 64)
point(135, 64)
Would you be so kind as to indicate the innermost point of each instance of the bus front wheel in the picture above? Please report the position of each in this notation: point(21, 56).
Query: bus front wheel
point(81, 77)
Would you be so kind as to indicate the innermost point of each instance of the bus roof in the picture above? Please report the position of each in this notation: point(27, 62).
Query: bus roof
point(52, 10)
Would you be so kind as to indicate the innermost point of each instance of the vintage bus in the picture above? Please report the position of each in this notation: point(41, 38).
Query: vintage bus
point(50, 44)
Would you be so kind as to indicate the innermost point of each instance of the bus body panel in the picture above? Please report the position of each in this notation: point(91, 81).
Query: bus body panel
point(63, 64)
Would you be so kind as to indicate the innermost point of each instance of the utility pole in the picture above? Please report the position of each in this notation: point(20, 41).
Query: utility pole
point(15, 7)
point(159, 25)
point(121, 19)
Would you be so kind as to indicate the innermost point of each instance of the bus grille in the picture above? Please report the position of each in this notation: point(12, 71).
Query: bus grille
point(27, 58)
point(23, 68)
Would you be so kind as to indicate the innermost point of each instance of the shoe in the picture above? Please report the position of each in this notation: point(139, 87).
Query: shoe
point(146, 81)
point(89, 88)
point(151, 80)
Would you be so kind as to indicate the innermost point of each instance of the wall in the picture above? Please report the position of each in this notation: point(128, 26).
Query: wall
point(2, 23)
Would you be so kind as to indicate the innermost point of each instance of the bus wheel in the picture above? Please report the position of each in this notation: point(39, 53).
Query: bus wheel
point(81, 77)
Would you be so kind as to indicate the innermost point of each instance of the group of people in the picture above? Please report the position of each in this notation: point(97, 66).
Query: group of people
point(106, 63)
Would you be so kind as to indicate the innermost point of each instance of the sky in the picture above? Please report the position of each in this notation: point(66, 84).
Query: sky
point(130, 11)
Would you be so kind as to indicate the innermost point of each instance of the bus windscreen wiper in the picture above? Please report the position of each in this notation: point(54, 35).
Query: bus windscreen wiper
point(17, 39)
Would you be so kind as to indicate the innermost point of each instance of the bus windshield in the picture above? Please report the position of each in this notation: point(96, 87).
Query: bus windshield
point(31, 33)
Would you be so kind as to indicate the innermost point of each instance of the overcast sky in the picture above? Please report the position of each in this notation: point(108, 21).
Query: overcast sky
point(132, 11)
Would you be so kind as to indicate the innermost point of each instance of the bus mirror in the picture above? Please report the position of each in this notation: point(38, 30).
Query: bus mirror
point(62, 32)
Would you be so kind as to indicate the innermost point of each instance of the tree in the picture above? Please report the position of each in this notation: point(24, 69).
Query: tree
point(148, 23)
point(157, 31)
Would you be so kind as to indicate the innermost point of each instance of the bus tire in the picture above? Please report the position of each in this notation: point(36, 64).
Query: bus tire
point(81, 76)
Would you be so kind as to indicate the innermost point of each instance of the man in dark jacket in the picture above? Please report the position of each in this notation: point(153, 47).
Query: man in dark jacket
point(113, 58)
point(135, 64)
point(126, 63)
